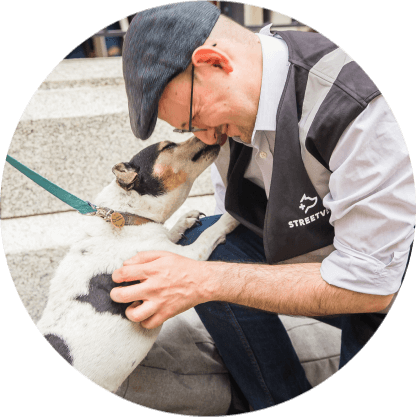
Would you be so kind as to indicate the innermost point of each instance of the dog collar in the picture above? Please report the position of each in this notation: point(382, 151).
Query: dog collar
point(119, 219)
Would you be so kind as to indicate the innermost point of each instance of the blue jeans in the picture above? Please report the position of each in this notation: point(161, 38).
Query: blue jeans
point(254, 344)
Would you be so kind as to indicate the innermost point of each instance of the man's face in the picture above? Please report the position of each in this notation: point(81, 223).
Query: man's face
point(214, 107)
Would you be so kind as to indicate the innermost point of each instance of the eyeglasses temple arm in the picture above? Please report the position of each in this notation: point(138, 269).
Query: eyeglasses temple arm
point(192, 95)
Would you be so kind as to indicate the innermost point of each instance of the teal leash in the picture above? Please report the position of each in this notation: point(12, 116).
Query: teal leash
point(117, 219)
point(84, 207)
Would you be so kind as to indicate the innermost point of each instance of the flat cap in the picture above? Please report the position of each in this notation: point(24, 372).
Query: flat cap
point(158, 46)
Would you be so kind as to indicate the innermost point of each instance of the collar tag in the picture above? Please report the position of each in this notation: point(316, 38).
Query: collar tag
point(117, 220)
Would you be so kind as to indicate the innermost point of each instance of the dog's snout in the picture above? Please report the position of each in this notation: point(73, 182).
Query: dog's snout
point(212, 150)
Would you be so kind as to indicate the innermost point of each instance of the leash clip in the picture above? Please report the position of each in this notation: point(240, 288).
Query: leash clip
point(109, 215)
point(94, 207)
point(103, 212)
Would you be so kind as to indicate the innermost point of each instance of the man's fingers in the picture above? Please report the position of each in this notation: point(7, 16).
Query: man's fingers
point(128, 294)
point(144, 257)
point(138, 311)
point(129, 273)
point(134, 269)
point(153, 321)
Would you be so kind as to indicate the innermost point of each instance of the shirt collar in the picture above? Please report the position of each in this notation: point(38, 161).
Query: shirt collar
point(275, 68)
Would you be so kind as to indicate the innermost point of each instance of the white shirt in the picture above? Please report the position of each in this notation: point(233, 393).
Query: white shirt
point(275, 69)
point(371, 188)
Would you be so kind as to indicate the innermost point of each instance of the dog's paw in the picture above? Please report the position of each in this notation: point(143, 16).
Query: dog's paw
point(190, 219)
point(221, 241)
point(227, 223)
point(184, 223)
point(194, 214)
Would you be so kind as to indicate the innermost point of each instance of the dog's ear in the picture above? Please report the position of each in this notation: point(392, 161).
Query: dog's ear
point(125, 174)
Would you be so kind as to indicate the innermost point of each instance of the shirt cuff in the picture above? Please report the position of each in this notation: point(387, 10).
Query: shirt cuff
point(359, 272)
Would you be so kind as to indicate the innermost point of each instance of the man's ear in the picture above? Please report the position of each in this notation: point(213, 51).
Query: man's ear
point(212, 56)
point(125, 175)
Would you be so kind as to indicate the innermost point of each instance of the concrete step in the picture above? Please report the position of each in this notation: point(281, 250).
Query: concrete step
point(75, 128)
point(87, 101)
point(31, 272)
point(85, 72)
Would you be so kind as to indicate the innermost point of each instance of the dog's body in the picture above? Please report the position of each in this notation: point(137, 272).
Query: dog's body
point(80, 320)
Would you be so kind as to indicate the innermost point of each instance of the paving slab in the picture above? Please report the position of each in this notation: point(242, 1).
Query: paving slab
point(31, 272)
point(76, 102)
point(72, 73)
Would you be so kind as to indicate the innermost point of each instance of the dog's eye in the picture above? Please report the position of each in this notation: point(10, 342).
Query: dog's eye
point(170, 146)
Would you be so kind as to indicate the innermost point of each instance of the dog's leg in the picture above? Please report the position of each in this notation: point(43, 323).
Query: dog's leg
point(209, 239)
point(184, 223)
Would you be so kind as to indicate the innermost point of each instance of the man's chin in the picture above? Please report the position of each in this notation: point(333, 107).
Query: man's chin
point(244, 138)
point(245, 134)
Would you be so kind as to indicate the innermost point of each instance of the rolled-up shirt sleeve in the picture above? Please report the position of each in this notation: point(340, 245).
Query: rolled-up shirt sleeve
point(373, 204)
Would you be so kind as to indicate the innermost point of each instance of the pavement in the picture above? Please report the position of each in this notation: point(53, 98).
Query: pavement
point(75, 128)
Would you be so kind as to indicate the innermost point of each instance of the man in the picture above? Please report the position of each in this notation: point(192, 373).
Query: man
point(315, 169)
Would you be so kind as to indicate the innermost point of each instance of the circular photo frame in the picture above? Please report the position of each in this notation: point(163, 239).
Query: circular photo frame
point(70, 134)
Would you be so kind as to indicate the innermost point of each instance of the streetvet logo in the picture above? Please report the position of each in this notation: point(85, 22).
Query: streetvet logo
point(303, 206)
point(307, 203)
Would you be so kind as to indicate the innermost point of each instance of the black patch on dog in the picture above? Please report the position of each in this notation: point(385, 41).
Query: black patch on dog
point(143, 163)
point(60, 346)
point(99, 295)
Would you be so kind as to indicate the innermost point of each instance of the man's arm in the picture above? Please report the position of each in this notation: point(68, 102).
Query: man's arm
point(171, 284)
point(291, 289)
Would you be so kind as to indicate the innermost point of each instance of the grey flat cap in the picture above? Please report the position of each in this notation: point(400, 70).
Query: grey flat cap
point(158, 46)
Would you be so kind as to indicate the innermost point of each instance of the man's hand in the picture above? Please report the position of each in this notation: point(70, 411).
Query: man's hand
point(169, 285)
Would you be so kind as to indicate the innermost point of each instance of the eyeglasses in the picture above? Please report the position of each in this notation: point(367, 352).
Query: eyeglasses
point(191, 129)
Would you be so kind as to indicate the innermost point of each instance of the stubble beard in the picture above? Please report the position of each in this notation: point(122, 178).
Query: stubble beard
point(246, 133)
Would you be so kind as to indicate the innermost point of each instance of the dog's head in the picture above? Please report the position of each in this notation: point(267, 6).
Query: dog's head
point(165, 166)
point(166, 170)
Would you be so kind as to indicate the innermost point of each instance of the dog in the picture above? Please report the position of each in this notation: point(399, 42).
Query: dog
point(80, 320)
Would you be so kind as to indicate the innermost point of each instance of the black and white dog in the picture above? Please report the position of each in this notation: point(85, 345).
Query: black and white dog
point(80, 320)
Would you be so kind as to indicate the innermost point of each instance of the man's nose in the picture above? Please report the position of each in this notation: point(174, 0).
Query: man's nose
point(208, 136)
